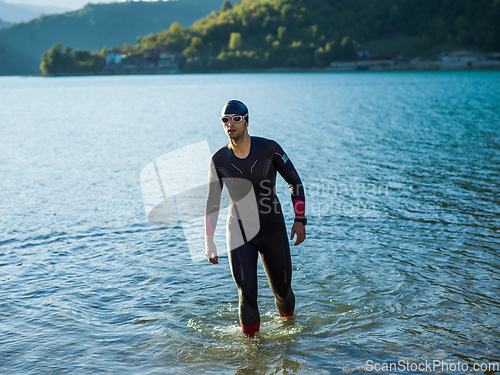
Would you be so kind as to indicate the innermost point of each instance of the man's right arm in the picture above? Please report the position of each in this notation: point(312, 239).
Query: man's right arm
point(212, 212)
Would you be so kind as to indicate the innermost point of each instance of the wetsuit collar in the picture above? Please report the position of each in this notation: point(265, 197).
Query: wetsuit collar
point(249, 152)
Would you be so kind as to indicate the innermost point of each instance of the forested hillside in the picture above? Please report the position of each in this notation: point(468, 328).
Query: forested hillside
point(4, 23)
point(93, 27)
point(306, 33)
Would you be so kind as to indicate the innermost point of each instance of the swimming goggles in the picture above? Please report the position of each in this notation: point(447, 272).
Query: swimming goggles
point(235, 118)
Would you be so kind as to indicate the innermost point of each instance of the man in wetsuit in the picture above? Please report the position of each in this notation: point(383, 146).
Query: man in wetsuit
point(247, 166)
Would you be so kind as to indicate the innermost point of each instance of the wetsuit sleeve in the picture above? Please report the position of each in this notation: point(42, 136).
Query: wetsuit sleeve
point(213, 200)
point(286, 169)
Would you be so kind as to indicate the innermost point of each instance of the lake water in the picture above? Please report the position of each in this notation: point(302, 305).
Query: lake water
point(401, 266)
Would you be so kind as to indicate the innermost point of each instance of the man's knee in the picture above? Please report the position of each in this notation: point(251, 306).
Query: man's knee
point(285, 300)
point(248, 298)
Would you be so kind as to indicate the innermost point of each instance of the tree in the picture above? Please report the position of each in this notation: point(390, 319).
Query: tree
point(176, 28)
point(52, 60)
point(235, 41)
point(193, 50)
point(226, 5)
point(348, 50)
point(56, 62)
point(440, 30)
point(127, 49)
point(281, 32)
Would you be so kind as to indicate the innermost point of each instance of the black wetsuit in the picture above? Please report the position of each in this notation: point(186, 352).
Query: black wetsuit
point(251, 233)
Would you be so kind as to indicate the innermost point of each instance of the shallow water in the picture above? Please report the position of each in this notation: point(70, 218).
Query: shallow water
point(401, 262)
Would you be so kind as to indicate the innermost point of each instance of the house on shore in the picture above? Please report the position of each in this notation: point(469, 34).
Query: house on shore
point(151, 61)
point(114, 57)
point(468, 59)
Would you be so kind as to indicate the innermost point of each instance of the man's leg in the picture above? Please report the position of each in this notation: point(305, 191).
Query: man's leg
point(243, 261)
point(275, 257)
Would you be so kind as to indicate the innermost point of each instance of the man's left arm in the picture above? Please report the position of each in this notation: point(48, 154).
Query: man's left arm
point(286, 169)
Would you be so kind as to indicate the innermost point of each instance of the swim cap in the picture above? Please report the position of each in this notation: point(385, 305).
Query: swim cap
point(235, 107)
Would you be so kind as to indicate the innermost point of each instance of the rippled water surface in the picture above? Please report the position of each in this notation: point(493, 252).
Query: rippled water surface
point(401, 263)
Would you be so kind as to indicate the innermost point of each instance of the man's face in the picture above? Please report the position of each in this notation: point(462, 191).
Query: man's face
point(235, 130)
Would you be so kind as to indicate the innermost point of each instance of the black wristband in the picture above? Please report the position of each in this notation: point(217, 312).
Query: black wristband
point(303, 221)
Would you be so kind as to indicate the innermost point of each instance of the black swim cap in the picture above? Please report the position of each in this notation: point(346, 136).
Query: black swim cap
point(235, 107)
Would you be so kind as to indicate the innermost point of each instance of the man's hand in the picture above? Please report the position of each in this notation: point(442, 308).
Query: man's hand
point(300, 230)
point(211, 250)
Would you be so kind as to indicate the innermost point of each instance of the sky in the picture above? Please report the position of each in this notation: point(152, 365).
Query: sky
point(67, 4)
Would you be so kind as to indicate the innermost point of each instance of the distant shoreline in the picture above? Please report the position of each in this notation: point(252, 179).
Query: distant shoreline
point(421, 66)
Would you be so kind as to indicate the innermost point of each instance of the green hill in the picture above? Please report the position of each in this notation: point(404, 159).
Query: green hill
point(308, 33)
point(4, 23)
point(93, 27)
